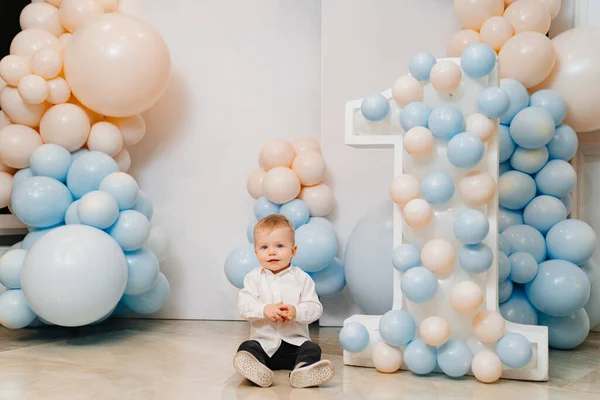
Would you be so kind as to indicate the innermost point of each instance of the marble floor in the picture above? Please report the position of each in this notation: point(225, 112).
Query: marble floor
point(138, 359)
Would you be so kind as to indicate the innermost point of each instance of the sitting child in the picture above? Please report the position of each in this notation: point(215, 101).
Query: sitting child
point(280, 301)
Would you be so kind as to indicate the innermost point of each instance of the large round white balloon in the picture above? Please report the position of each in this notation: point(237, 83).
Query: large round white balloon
point(74, 275)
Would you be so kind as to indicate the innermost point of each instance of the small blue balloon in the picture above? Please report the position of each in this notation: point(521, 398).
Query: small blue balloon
point(14, 310)
point(406, 256)
point(375, 107)
point(41, 202)
point(11, 263)
point(523, 267)
point(130, 230)
point(505, 143)
point(471, 226)
point(143, 269)
point(414, 114)
point(515, 190)
point(250, 231)
point(122, 187)
point(465, 150)
point(552, 102)
point(97, 209)
point(519, 99)
point(508, 218)
point(331, 280)
point(529, 161)
point(144, 205)
point(504, 245)
point(558, 178)
point(239, 262)
point(532, 128)
point(78, 153)
point(454, 358)
point(504, 167)
point(88, 170)
point(354, 337)
point(420, 65)
point(50, 160)
point(566, 333)
point(72, 216)
point(544, 212)
point(493, 102)
point(437, 187)
point(264, 207)
point(21, 176)
point(475, 258)
point(571, 240)
point(151, 301)
point(33, 236)
point(317, 247)
point(478, 60)
point(419, 285)
point(296, 211)
point(320, 221)
point(514, 350)
point(564, 143)
point(420, 358)
point(505, 290)
point(503, 267)
point(397, 327)
point(446, 121)
point(568, 202)
point(528, 239)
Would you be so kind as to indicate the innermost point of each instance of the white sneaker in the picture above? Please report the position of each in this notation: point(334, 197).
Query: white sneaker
point(250, 368)
point(315, 374)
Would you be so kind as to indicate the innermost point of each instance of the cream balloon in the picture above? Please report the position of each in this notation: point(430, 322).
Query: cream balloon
point(65, 125)
point(386, 358)
point(495, 32)
point(439, 256)
point(29, 41)
point(486, 366)
point(93, 116)
point(281, 185)
point(477, 188)
point(434, 331)
point(59, 91)
point(466, 297)
point(319, 199)
point(73, 13)
point(527, 57)
point(460, 41)
point(2, 84)
point(445, 76)
point(123, 43)
point(132, 128)
point(508, 2)
point(254, 183)
point(481, 126)
point(3, 120)
point(105, 137)
point(310, 167)
point(417, 213)
point(123, 160)
point(43, 16)
point(55, 3)
point(419, 141)
point(5, 188)
point(64, 39)
point(306, 143)
point(17, 142)
point(14, 68)
point(404, 188)
point(47, 63)
point(33, 89)
point(6, 168)
point(277, 153)
point(407, 89)
point(18, 111)
point(528, 15)
point(553, 6)
point(471, 14)
point(109, 5)
point(488, 326)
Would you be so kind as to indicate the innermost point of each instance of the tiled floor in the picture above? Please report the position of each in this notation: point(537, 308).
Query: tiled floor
point(135, 359)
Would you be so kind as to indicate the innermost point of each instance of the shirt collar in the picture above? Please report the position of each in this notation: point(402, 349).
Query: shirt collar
point(268, 271)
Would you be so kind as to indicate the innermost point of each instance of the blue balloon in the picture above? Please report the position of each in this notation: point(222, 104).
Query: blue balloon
point(143, 269)
point(317, 247)
point(568, 202)
point(519, 99)
point(41, 202)
point(419, 285)
point(151, 301)
point(250, 231)
point(331, 280)
point(564, 143)
point(505, 290)
point(420, 358)
point(508, 218)
point(33, 236)
point(478, 60)
point(320, 221)
point(465, 150)
point(454, 358)
point(532, 128)
point(21, 176)
point(97, 209)
point(571, 240)
point(420, 65)
point(475, 258)
point(504, 245)
point(50, 160)
point(354, 337)
point(375, 107)
point(264, 207)
point(503, 267)
point(566, 333)
point(414, 114)
point(239, 262)
point(11, 263)
point(296, 211)
point(552, 102)
point(130, 230)
point(14, 310)
point(122, 187)
point(558, 178)
point(406, 256)
point(559, 289)
point(446, 121)
point(544, 212)
point(72, 216)
point(144, 205)
point(493, 102)
point(471, 226)
point(504, 167)
point(529, 161)
point(528, 239)
point(523, 267)
point(397, 327)
point(505, 143)
point(78, 153)
point(515, 190)
point(88, 170)
point(437, 187)
point(514, 350)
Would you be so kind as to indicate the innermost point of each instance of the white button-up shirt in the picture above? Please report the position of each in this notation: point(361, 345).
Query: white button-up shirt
point(292, 286)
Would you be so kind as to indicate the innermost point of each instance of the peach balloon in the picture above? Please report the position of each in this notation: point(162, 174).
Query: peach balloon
point(33, 89)
point(93, 116)
point(43, 16)
point(123, 160)
point(439, 256)
point(477, 188)
point(527, 57)
point(132, 128)
point(486, 366)
point(466, 297)
point(553, 6)
point(105, 137)
point(109, 5)
point(386, 358)
point(123, 43)
point(14, 68)
point(65, 125)
point(64, 40)
point(18, 111)
point(417, 213)
point(528, 15)
point(29, 41)
point(2, 84)
point(73, 13)
point(419, 141)
point(277, 153)
point(310, 167)
point(508, 2)
point(6, 168)
point(445, 76)
point(306, 143)
point(406, 90)
point(3, 120)
point(47, 63)
point(405, 188)
point(495, 32)
point(488, 326)
point(55, 3)
point(5, 188)
point(461, 40)
point(471, 14)
point(281, 185)
point(255, 181)
point(17, 142)
point(434, 331)
point(59, 91)
point(318, 198)
point(481, 126)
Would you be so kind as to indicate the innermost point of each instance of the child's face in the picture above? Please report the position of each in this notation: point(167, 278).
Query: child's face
point(274, 248)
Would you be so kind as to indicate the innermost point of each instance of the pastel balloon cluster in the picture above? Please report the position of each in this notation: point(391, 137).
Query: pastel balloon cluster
point(91, 248)
point(77, 76)
point(289, 181)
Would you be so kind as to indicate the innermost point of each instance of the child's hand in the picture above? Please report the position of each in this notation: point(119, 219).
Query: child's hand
point(275, 312)
point(289, 312)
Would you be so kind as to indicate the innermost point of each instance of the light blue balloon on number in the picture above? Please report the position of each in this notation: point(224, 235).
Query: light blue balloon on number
point(437, 187)
point(454, 358)
point(419, 285)
point(493, 102)
point(505, 144)
point(375, 107)
point(14, 310)
point(504, 245)
point(532, 128)
point(465, 150)
point(331, 280)
point(544, 212)
point(72, 215)
point(519, 99)
point(558, 178)
point(50, 160)
point(144, 205)
point(528, 239)
point(88, 170)
point(21, 176)
point(446, 121)
point(11, 263)
point(130, 230)
point(420, 358)
point(523, 267)
point(406, 256)
point(503, 267)
point(566, 333)
point(151, 301)
point(264, 207)
point(250, 230)
point(514, 350)
point(239, 262)
point(515, 190)
point(508, 218)
point(41, 202)
point(397, 327)
point(564, 144)
point(505, 290)
point(552, 102)
point(142, 271)
point(317, 247)
point(529, 161)
point(478, 60)
point(471, 226)
point(414, 114)
point(122, 187)
point(571, 240)
point(475, 258)
point(420, 65)
point(296, 211)
point(354, 337)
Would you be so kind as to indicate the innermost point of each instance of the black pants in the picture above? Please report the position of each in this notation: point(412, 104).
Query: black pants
point(287, 355)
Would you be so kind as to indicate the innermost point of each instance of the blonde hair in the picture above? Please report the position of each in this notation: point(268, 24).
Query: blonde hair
point(275, 221)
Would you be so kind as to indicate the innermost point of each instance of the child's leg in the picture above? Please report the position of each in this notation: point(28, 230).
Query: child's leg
point(250, 361)
point(310, 370)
